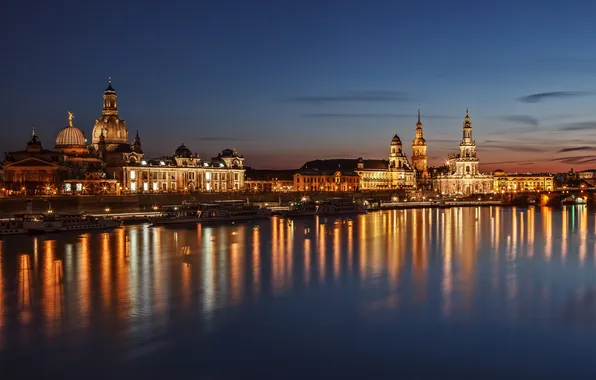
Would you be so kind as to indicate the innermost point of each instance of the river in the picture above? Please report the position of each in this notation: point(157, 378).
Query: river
point(422, 293)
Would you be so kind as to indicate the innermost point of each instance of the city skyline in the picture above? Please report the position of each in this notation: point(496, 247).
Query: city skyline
point(287, 83)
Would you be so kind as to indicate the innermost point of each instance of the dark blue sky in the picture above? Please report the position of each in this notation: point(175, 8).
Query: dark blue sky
point(287, 81)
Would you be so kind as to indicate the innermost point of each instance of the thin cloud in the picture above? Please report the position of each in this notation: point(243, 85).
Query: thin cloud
point(542, 96)
point(577, 148)
point(521, 119)
point(576, 159)
point(514, 148)
point(355, 96)
point(210, 138)
point(372, 115)
point(581, 126)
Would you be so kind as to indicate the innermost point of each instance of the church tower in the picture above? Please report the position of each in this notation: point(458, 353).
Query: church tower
point(467, 162)
point(419, 158)
point(109, 123)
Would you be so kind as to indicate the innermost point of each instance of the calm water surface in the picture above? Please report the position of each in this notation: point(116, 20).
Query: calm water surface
point(410, 294)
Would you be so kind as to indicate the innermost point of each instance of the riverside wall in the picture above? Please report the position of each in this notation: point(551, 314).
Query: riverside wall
point(144, 203)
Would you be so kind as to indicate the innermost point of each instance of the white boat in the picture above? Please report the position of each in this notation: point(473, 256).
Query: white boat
point(177, 214)
point(232, 211)
point(340, 207)
point(306, 208)
point(12, 227)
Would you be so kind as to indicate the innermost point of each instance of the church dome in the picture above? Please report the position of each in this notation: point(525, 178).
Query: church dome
point(183, 152)
point(498, 172)
point(109, 123)
point(396, 140)
point(70, 136)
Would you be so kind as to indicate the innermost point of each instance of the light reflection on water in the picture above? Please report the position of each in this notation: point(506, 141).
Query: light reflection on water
point(141, 291)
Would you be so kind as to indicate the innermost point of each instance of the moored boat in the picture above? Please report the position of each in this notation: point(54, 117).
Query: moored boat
point(12, 227)
point(81, 222)
point(177, 214)
point(340, 207)
point(232, 211)
point(572, 201)
point(304, 208)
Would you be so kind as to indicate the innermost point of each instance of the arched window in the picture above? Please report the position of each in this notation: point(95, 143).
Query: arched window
point(467, 169)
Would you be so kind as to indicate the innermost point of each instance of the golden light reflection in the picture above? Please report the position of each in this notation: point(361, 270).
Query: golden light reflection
point(289, 268)
point(160, 287)
point(52, 289)
point(564, 232)
point(583, 232)
point(237, 269)
point(336, 253)
point(106, 269)
point(321, 236)
point(208, 255)
point(277, 255)
point(25, 289)
point(447, 284)
point(84, 280)
point(362, 252)
point(307, 260)
point(121, 272)
point(256, 261)
point(531, 214)
point(350, 247)
point(547, 230)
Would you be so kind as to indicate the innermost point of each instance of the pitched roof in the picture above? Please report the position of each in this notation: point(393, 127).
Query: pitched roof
point(269, 174)
point(345, 163)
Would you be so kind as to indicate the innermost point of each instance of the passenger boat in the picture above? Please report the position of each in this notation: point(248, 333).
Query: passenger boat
point(226, 211)
point(11, 227)
point(306, 208)
point(80, 222)
point(232, 211)
point(340, 207)
point(177, 214)
point(40, 223)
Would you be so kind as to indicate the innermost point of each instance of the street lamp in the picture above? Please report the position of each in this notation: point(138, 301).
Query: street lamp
point(107, 210)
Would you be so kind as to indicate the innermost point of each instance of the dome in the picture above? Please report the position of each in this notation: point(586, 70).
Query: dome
point(498, 172)
point(183, 152)
point(70, 136)
point(396, 140)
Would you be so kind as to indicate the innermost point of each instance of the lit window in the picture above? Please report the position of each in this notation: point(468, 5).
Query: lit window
point(133, 174)
point(133, 186)
point(79, 187)
point(145, 186)
point(68, 187)
point(162, 163)
point(143, 163)
point(208, 187)
point(208, 176)
point(154, 186)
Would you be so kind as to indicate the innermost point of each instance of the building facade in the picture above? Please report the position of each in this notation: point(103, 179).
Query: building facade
point(462, 177)
point(314, 179)
point(520, 182)
point(259, 181)
point(185, 172)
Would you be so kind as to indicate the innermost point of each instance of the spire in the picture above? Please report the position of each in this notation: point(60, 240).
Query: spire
point(418, 124)
point(466, 111)
point(33, 131)
point(137, 137)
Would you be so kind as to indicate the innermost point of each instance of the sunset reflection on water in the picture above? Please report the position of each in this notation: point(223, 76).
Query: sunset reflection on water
point(128, 287)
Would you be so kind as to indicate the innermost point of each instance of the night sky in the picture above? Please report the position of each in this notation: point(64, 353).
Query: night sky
point(288, 81)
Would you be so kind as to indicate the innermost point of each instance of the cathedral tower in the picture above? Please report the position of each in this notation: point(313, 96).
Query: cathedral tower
point(113, 128)
point(467, 162)
point(419, 158)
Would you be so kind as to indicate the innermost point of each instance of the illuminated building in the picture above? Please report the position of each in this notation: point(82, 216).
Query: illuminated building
point(419, 156)
point(588, 175)
point(185, 172)
point(463, 176)
point(32, 170)
point(509, 182)
point(269, 180)
point(325, 180)
point(358, 174)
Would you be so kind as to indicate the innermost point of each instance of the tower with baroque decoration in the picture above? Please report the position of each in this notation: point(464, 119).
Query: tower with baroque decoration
point(401, 172)
point(419, 157)
point(109, 124)
point(467, 162)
